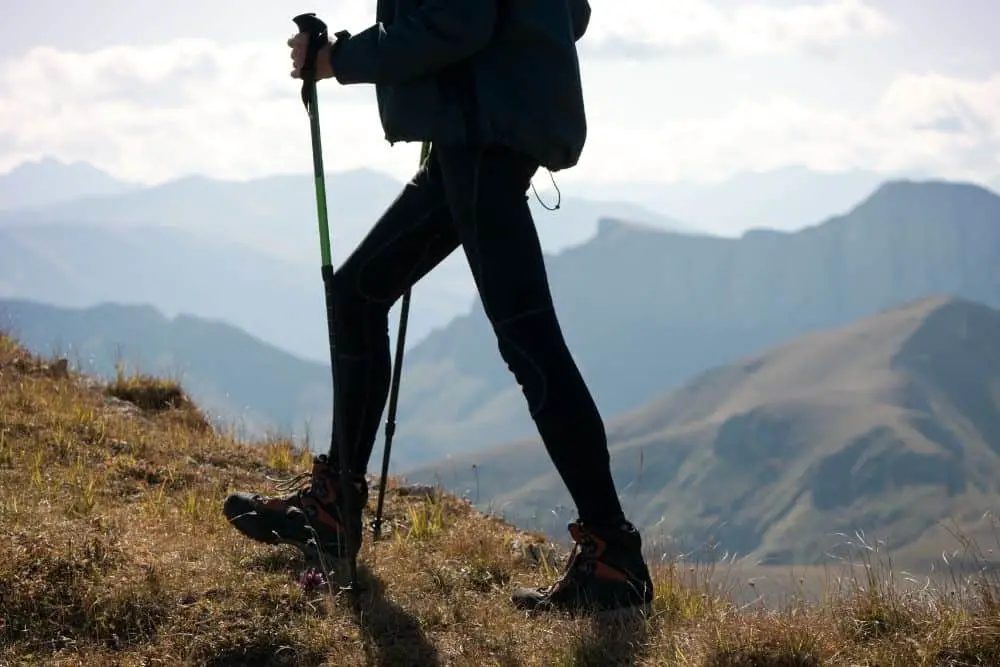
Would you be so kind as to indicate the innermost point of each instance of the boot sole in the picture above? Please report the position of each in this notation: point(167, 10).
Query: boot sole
point(308, 549)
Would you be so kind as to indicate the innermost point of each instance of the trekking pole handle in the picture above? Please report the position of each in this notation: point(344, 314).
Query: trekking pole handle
point(318, 36)
point(318, 33)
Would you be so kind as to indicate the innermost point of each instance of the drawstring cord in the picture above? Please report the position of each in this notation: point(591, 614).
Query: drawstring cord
point(558, 194)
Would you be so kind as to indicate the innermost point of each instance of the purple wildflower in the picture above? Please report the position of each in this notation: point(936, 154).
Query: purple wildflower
point(311, 579)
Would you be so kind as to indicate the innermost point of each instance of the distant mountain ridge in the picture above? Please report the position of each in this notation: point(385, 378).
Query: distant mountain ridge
point(264, 226)
point(277, 213)
point(782, 198)
point(889, 425)
point(49, 181)
point(73, 265)
point(644, 310)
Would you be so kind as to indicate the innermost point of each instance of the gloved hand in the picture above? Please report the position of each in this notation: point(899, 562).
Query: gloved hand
point(299, 43)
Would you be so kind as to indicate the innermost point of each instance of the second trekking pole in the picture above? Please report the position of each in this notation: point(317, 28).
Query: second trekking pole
point(317, 31)
point(397, 372)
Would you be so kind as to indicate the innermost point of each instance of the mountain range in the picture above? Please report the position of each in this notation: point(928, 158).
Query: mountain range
point(887, 427)
point(644, 309)
point(245, 252)
point(781, 199)
point(768, 393)
point(50, 181)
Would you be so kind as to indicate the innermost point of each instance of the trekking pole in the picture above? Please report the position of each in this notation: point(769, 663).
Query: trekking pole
point(397, 372)
point(317, 31)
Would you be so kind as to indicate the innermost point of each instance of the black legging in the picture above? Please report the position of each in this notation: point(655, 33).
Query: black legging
point(474, 198)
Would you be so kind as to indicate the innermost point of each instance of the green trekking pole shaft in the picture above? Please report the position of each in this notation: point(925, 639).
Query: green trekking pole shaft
point(319, 180)
point(397, 372)
point(317, 31)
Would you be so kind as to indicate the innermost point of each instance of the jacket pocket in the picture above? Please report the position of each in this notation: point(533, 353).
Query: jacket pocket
point(418, 110)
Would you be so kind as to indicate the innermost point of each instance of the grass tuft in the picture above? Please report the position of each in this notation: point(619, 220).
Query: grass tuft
point(154, 395)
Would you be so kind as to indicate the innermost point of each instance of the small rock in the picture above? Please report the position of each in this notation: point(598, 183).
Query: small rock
point(124, 408)
point(118, 446)
point(419, 490)
point(534, 553)
point(120, 405)
point(87, 382)
point(60, 369)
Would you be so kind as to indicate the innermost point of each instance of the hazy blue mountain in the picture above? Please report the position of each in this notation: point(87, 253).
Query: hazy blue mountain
point(644, 310)
point(174, 271)
point(277, 214)
point(783, 199)
point(49, 181)
point(889, 425)
point(259, 228)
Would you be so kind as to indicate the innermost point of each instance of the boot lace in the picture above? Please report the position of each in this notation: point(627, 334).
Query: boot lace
point(579, 562)
point(297, 484)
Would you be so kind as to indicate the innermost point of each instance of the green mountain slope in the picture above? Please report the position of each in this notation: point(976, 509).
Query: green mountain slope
point(888, 426)
point(645, 310)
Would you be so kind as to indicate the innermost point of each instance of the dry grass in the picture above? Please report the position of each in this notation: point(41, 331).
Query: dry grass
point(114, 551)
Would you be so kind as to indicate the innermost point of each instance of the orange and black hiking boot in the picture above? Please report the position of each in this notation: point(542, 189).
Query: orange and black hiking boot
point(311, 516)
point(606, 572)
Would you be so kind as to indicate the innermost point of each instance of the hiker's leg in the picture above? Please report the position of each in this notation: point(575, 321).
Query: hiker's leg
point(487, 195)
point(410, 238)
point(413, 235)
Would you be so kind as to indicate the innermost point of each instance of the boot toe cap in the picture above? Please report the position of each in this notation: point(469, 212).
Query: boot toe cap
point(239, 504)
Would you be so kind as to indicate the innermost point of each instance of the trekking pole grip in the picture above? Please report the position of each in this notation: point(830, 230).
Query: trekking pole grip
point(318, 33)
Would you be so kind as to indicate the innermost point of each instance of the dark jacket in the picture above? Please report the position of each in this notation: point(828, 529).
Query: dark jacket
point(479, 71)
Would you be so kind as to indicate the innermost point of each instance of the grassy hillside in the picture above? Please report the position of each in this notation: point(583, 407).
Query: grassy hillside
point(236, 378)
point(888, 426)
point(114, 551)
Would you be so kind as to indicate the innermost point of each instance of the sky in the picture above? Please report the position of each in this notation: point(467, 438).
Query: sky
point(676, 90)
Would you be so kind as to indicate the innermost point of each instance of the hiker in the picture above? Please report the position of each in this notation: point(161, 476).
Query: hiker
point(496, 88)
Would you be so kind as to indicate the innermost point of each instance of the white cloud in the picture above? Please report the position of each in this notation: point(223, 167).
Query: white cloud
point(654, 27)
point(186, 106)
point(155, 112)
point(930, 122)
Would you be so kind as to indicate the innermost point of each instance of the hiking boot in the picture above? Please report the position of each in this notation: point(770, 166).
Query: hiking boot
point(314, 504)
point(606, 572)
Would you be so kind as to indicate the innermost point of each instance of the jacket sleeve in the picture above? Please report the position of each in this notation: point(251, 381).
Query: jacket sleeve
point(580, 11)
point(431, 37)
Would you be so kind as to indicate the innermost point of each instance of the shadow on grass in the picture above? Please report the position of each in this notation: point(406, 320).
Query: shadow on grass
point(392, 635)
point(613, 642)
point(282, 560)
